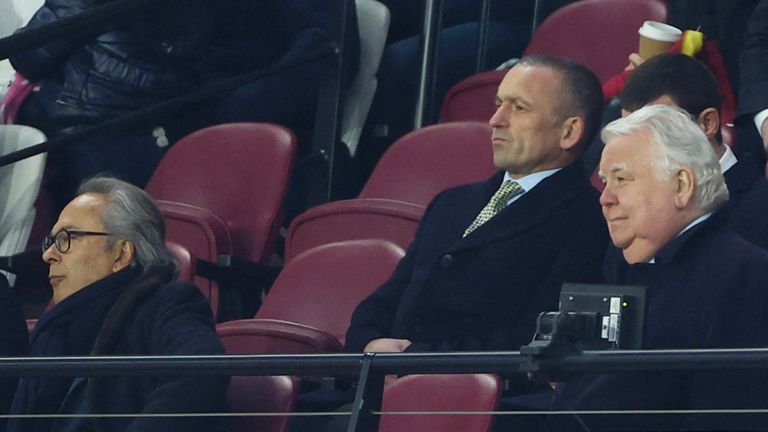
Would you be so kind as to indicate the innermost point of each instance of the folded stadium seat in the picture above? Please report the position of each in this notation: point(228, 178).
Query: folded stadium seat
point(373, 25)
point(310, 305)
point(411, 172)
point(221, 191)
point(258, 394)
point(19, 187)
point(597, 33)
point(470, 392)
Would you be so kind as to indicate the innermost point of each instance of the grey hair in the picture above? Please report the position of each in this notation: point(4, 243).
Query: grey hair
point(680, 143)
point(131, 214)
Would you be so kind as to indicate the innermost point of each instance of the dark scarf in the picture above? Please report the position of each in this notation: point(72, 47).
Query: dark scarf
point(81, 324)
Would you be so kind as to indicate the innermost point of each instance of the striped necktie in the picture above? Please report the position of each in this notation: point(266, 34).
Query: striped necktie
point(498, 201)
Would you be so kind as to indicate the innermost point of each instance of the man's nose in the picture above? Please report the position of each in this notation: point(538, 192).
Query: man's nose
point(499, 117)
point(51, 254)
point(607, 197)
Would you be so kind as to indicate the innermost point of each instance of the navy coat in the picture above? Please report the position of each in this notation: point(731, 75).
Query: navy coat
point(484, 292)
point(124, 314)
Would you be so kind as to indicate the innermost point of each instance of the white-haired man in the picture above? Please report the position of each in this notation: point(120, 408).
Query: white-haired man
point(706, 286)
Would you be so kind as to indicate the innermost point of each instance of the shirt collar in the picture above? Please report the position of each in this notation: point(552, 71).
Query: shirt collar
point(531, 180)
point(727, 160)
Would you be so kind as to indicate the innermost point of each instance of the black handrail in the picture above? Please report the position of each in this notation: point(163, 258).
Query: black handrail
point(501, 362)
point(371, 368)
point(171, 106)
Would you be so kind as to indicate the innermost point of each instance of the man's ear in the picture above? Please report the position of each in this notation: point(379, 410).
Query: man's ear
point(709, 120)
point(125, 255)
point(686, 187)
point(572, 131)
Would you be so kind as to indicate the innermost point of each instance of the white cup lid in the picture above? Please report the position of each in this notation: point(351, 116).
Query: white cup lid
point(660, 31)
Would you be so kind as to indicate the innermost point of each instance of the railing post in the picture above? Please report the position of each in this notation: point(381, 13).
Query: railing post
point(429, 41)
point(368, 396)
point(482, 35)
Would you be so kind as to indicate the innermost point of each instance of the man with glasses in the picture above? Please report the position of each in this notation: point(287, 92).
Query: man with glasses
point(114, 294)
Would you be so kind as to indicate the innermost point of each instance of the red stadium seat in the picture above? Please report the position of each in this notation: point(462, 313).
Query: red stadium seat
point(221, 191)
point(428, 160)
point(257, 394)
point(473, 98)
point(471, 392)
point(309, 307)
point(599, 34)
point(412, 171)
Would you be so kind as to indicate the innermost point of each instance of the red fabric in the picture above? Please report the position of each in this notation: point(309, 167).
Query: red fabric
point(9, 106)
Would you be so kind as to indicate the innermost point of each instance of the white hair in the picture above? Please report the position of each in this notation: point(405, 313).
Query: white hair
point(131, 214)
point(680, 143)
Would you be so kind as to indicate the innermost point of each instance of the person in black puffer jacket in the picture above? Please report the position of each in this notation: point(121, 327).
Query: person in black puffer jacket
point(141, 60)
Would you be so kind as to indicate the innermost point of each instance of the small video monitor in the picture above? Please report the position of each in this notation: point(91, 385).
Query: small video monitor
point(594, 317)
point(618, 312)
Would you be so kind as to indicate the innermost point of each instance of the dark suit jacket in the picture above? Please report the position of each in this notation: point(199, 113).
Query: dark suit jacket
point(753, 81)
point(753, 62)
point(747, 208)
point(484, 292)
point(707, 289)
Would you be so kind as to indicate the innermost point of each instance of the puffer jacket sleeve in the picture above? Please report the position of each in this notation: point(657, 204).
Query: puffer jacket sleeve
point(41, 61)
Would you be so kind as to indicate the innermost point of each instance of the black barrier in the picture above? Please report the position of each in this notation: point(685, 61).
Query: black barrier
point(500, 362)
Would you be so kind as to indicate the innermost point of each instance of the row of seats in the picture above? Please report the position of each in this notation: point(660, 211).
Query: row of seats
point(474, 394)
point(198, 186)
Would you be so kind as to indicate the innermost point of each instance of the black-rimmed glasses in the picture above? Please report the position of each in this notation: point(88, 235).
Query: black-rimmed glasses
point(63, 239)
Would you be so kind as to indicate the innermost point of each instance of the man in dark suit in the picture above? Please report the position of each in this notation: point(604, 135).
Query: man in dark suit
point(682, 81)
point(706, 285)
point(474, 281)
point(753, 81)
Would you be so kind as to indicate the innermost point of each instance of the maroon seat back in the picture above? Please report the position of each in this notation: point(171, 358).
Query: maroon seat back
point(322, 286)
point(354, 219)
point(220, 190)
point(411, 172)
point(258, 394)
point(428, 160)
point(597, 33)
point(473, 98)
point(471, 392)
point(239, 173)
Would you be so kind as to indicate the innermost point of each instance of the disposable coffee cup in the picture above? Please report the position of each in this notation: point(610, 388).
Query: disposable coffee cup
point(657, 38)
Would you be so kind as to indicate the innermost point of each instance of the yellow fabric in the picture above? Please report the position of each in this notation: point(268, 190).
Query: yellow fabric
point(693, 41)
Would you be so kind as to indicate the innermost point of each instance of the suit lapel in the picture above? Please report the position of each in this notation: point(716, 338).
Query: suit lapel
point(532, 209)
point(466, 210)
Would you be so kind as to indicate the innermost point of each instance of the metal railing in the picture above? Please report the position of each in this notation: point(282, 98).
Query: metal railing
point(370, 370)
